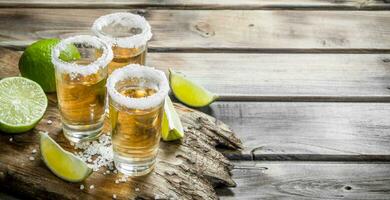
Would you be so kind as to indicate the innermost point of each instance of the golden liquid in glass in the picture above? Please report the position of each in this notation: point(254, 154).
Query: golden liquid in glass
point(135, 133)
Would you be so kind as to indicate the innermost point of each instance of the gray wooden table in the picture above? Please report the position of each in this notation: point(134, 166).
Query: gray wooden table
point(305, 84)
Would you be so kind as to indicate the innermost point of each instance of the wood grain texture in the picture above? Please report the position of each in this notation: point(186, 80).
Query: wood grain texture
point(285, 77)
point(9, 63)
point(308, 131)
point(272, 77)
point(217, 30)
point(201, 4)
point(309, 180)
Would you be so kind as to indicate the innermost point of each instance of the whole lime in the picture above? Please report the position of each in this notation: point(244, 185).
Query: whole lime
point(35, 63)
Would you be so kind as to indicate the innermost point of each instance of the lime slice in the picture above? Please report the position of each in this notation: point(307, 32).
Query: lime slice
point(35, 63)
point(189, 92)
point(22, 104)
point(62, 163)
point(171, 125)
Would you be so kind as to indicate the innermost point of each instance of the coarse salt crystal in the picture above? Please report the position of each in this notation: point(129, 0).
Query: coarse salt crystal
point(97, 154)
point(114, 196)
point(136, 189)
point(31, 158)
point(11, 139)
point(34, 151)
point(91, 187)
point(81, 187)
point(49, 122)
point(116, 181)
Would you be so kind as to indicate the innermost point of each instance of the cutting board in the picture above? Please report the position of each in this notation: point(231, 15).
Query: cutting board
point(186, 169)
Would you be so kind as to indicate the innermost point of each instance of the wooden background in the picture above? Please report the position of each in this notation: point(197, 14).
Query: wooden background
point(305, 84)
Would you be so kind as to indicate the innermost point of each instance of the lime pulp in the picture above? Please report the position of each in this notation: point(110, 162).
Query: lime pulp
point(23, 104)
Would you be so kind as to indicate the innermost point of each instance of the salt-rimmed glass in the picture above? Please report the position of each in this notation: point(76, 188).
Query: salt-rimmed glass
point(80, 83)
point(137, 95)
point(128, 35)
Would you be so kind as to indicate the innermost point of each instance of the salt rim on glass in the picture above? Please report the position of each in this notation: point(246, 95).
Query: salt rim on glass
point(138, 71)
point(85, 70)
point(124, 19)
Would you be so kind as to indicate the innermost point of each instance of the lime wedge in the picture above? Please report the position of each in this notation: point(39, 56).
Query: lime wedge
point(171, 125)
point(189, 92)
point(22, 104)
point(62, 163)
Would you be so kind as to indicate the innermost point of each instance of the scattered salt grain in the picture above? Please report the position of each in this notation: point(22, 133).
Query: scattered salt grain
point(97, 154)
point(81, 187)
point(108, 172)
point(33, 151)
point(49, 122)
point(31, 158)
point(136, 189)
point(11, 139)
point(116, 181)
point(114, 196)
point(91, 187)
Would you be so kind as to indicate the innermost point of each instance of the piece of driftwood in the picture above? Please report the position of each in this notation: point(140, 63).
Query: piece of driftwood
point(186, 169)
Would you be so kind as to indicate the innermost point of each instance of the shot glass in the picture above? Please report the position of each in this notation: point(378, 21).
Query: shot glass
point(128, 35)
point(80, 82)
point(137, 95)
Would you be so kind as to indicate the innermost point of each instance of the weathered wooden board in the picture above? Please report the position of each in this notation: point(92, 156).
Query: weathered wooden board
point(274, 77)
point(309, 180)
point(201, 4)
point(308, 131)
point(285, 77)
point(217, 30)
point(186, 169)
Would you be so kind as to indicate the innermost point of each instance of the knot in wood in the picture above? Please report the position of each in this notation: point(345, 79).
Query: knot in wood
point(204, 29)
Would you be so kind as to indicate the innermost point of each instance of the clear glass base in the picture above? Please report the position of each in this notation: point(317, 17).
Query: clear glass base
point(82, 133)
point(131, 167)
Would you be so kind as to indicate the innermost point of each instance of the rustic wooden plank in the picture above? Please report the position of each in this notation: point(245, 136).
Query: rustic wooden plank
point(308, 131)
point(309, 180)
point(185, 169)
point(201, 4)
point(272, 77)
point(285, 77)
point(217, 30)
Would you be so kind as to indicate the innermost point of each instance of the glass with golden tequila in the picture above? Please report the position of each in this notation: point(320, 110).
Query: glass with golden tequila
point(136, 96)
point(128, 35)
point(80, 83)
